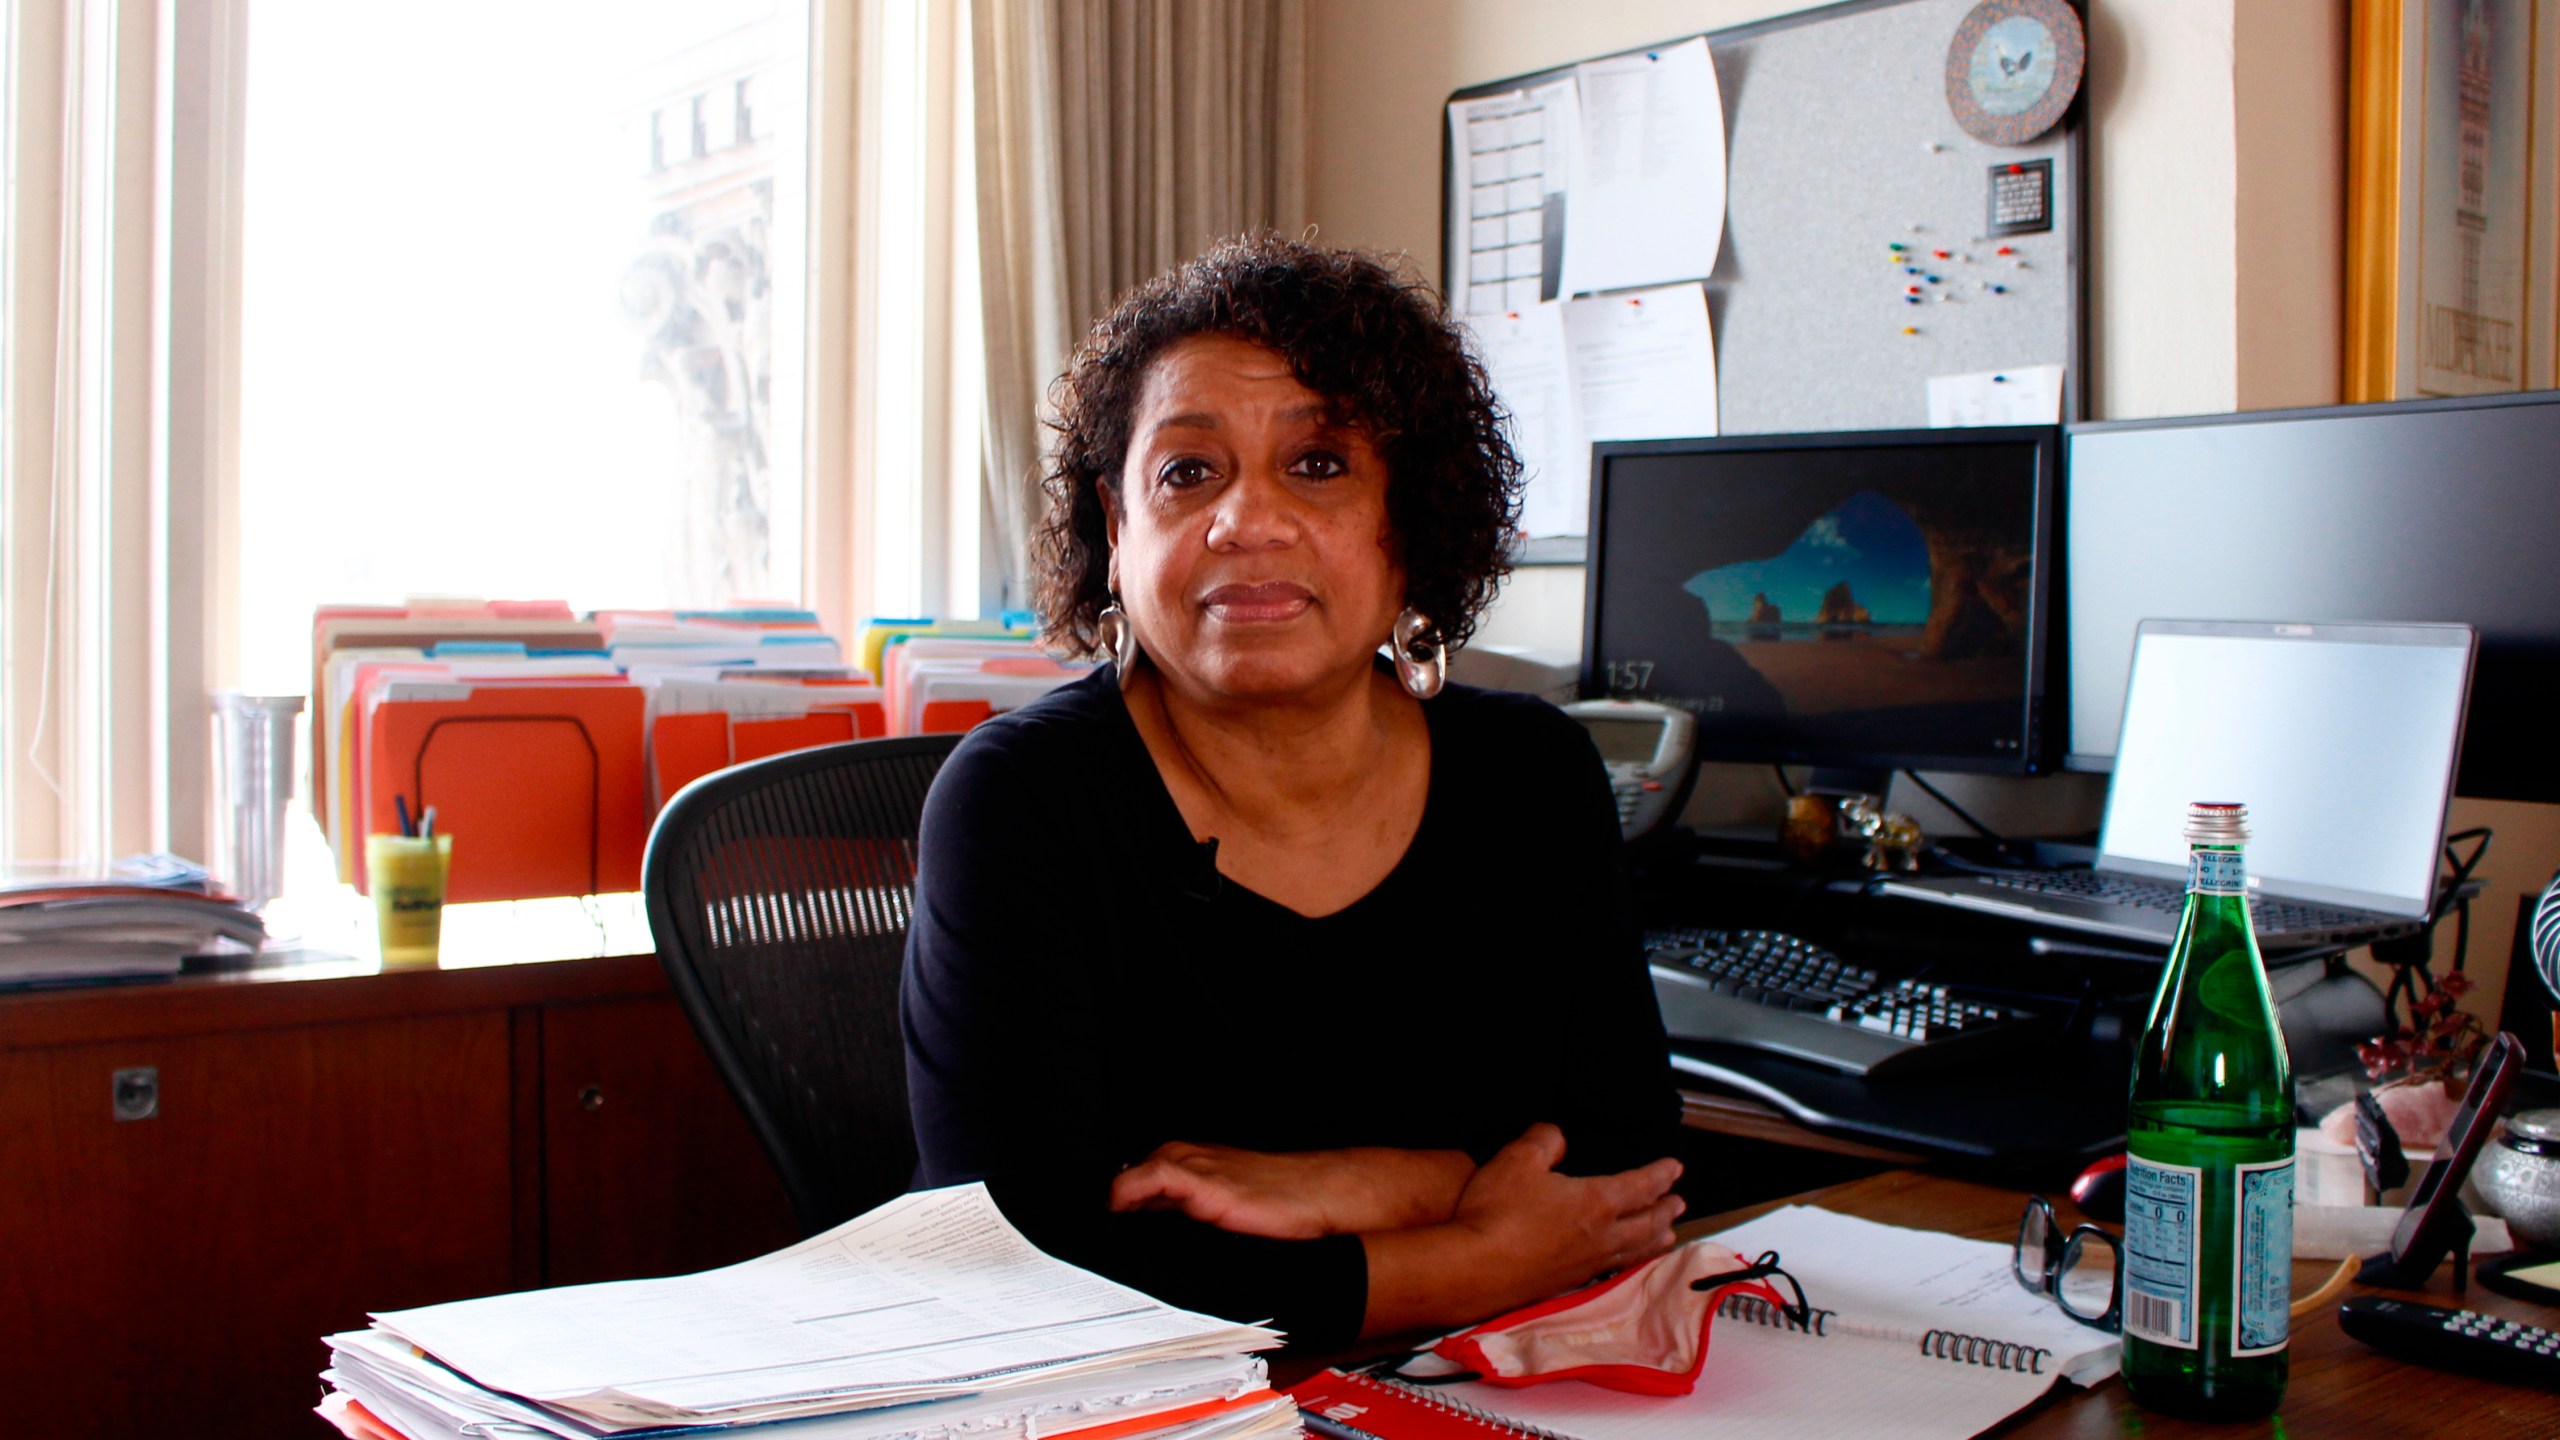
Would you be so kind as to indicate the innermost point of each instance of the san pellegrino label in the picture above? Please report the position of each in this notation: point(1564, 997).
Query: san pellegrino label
point(2216, 872)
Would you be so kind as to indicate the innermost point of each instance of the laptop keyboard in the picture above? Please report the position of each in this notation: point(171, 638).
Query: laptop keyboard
point(2267, 917)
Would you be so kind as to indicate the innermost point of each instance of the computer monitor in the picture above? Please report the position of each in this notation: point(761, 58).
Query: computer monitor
point(2431, 510)
point(1864, 601)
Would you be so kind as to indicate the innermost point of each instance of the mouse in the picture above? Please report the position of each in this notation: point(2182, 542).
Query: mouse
point(2099, 1190)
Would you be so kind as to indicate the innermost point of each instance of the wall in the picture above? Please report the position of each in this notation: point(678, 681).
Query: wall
point(2215, 254)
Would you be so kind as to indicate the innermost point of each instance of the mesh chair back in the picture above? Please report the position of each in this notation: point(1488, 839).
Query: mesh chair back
point(779, 893)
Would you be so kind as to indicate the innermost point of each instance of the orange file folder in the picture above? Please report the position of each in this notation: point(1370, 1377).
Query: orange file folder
point(541, 786)
point(684, 748)
point(755, 739)
point(950, 717)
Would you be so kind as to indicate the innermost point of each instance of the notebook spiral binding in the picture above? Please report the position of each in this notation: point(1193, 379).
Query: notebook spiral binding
point(1752, 1310)
point(1975, 1350)
point(1460, 1409)
point(1937, 1344)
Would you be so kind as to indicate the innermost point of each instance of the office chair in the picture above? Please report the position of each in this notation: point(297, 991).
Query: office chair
point(779, 893)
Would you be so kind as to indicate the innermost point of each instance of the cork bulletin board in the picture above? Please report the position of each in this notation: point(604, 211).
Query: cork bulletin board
point(1841, 144)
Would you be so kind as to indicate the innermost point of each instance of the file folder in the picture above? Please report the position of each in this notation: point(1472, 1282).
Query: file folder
point(541, 786)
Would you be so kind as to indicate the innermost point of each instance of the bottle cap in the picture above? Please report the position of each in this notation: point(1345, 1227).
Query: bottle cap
point(2217, 822)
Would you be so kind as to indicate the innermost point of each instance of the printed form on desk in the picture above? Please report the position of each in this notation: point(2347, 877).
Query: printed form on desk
point(932, 1295)
point(1921, 1336)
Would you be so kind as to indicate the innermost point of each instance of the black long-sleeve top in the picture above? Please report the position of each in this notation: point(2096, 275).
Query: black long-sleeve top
point(1082, 986)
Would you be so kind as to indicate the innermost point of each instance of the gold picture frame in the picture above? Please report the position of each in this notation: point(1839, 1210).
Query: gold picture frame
point(2453, 198)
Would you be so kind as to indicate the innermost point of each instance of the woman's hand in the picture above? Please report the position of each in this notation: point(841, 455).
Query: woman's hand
point(1520, 1233)
point(1301, 1195)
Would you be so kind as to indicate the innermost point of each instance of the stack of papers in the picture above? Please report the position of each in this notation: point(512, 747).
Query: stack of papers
point(763, 637)
point(930, 1317)
point(138, 917)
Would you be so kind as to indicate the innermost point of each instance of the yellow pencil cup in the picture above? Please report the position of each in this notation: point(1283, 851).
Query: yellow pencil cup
point(406, 873)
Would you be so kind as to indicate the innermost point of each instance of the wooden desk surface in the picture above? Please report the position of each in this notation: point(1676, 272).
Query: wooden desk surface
point(2339, 1386)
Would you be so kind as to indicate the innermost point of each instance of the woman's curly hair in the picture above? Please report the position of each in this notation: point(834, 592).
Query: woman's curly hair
point(1366, 336)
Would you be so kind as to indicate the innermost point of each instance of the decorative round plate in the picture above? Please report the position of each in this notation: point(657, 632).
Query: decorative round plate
point(2013, 68)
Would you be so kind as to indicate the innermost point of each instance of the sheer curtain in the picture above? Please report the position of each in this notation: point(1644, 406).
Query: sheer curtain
point(1115, 138)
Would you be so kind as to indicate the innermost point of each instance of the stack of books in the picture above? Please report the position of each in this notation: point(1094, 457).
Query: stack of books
point(135, 919)
point(929, 1318)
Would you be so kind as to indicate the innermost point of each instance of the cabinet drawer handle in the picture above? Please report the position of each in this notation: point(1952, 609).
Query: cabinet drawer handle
point(135, 1093)
point(591, 1097)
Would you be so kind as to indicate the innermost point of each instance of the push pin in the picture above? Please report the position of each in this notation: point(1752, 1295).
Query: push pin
point(2020, 262)
point(1932, 146)
point(1943, 254)
point(2005, 250)
point(1999, 289)
point(1910, 289)
point(1917, 227)
point(1945, 295)
point(1898, 245)
point(1910, 329)
point(1932, 279)
point(1911, 299)
point(1999, 379)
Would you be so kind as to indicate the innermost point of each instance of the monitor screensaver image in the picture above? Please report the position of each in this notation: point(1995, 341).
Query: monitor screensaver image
point(1825, 604)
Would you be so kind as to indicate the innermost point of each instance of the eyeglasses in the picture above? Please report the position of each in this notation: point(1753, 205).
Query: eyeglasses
point(2088, 1287)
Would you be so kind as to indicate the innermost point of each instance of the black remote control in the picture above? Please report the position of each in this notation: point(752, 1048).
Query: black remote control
point(2463, 1340)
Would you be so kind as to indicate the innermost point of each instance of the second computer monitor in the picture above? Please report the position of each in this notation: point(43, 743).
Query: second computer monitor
point(1870, 600)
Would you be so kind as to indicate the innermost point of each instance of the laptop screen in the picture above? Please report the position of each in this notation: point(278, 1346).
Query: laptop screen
point(2341, 740)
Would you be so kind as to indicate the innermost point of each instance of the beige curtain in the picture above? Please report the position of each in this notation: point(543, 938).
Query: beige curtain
point(1115, 138)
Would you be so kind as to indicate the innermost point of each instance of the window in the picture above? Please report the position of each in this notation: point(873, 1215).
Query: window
point(556, 300)
point(513, 303)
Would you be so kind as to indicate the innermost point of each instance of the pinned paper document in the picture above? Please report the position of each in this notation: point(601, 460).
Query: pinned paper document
point(1637, 365)
point(1508, 196)
point(1525, 358)
point(1644, 364)
point(2027, 395)
point(1648, 193)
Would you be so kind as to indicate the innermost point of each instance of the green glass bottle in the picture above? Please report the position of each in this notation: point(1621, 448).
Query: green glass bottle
point(2209, 1188)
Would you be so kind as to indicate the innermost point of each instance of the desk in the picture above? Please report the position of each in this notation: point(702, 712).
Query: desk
point(331, 1139)
point(2339, 1386)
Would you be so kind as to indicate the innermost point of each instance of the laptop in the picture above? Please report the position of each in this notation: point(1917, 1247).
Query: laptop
point(2341, 740)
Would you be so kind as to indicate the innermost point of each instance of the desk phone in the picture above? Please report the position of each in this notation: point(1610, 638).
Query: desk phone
point(1648, 750)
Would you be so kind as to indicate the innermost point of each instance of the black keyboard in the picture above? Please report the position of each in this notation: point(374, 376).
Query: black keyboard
point(1780, 993)
point(2266, 917)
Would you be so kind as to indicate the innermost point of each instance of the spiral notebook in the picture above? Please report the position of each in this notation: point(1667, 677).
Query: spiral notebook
point(1917, 1335)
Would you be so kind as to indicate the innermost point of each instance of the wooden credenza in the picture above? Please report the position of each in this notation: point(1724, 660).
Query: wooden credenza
point(321, 1144)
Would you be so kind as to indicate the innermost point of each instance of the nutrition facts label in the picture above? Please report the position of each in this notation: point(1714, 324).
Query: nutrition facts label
point(2162, 1219)
point(2262, 1281)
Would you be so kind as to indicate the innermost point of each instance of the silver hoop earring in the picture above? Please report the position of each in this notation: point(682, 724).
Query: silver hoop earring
point(1422, 663)
point(1119, 638)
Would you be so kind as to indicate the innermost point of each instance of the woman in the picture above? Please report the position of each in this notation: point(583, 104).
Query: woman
point(1271, 979)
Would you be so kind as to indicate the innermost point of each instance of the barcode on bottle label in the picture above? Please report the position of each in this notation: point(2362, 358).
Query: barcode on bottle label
point(2262, 1251)
point(2216, 872)
point(2151, 1317)
point(2163, 1219)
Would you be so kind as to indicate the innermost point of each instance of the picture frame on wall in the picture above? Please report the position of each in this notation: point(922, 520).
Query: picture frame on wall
point(2453, 198)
